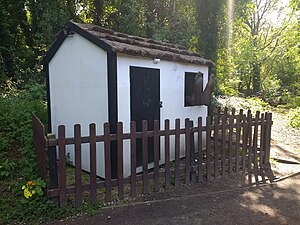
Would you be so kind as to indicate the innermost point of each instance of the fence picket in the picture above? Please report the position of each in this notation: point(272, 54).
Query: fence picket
point(216, 143)
point(133, 157)
point(255, 138)
point(93, 173)
point(237, 150)
point(107, 156)
point(268, 138)
point(145, 156)
point(249, 132)
point(167, 154)
point(200, 151)
point(156, 155)
point(192, 152)
point(187, 151)
point(208, 145)
point(177, 152)
point(62, 166)
point(224, 121)
point(78, 178)
point(261, 146)
point(120, 160)
point(230, 142)
point(233, 110)
point(244, 144)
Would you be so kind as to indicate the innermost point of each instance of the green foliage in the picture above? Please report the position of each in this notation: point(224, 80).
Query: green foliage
point(17, 158)
point(262, 58)
point(6, 167)
point(210, 24)
point(16, 108)
point(294, 117)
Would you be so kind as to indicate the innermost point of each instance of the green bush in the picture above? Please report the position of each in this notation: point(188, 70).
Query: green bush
point(6, 167)
point(294, 117)
point(16, 109)
point(17, 158)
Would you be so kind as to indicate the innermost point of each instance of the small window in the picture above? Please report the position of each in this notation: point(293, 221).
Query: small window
point(189, 85)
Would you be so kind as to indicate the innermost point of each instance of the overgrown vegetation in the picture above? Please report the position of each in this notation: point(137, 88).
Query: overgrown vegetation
point(17, 158)
point(294, 117)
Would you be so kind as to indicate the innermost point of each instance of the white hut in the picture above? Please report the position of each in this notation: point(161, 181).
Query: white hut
point(96, 75)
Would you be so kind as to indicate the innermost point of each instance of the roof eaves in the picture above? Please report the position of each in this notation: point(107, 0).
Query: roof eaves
point(60, 37)
point(89, 36)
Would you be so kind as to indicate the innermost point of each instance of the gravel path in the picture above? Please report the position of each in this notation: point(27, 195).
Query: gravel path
point(283, 135)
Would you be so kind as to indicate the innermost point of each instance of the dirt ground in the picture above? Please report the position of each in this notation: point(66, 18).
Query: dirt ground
point(216, 202)
point(229, 200)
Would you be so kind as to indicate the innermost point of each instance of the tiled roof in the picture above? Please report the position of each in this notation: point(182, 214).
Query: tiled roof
point(137, 46)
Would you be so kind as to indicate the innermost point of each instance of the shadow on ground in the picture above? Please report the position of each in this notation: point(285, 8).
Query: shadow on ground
point(222, 201)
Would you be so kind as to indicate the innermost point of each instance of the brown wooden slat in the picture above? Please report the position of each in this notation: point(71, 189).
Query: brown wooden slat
point(39, 144)
point(225, 111)
point(187, 151)
point(261, 146)
point(200, 151)
point(230, 143)
point(62, 166)
point(224, 119)
point(208, 150)
point(216, 151)
point(249, 133)
point(262, 137)
point(268, 138)
point(93, 174)
point(78, 178)
point(233, 110)
point(156, 155)
point(219, 111)
point(255, 138)
point(107, 157)
point(100, 138)
point(244, 144)
point(237, 149)
point(167, 154)
point(133, 157)
point(120, 160)
point(192, 149)
point(145, 156)
point(177, 152)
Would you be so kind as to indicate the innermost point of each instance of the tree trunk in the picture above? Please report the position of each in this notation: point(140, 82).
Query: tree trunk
point(256, 78)
point(99, 4)
point(149, 18)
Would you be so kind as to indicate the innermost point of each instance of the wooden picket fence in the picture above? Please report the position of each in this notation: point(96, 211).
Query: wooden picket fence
point(235, 143)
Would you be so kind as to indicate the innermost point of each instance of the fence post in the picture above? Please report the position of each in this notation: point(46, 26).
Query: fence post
point(52, 157)
point(62, 166)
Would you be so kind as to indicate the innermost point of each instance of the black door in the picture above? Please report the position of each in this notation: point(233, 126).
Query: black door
point(144, 103)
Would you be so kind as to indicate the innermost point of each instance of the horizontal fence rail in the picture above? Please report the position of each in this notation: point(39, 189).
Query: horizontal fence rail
point(228, 143)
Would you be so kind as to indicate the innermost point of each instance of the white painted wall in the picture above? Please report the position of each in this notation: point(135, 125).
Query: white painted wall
point(172, 77)
point(78, 92)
